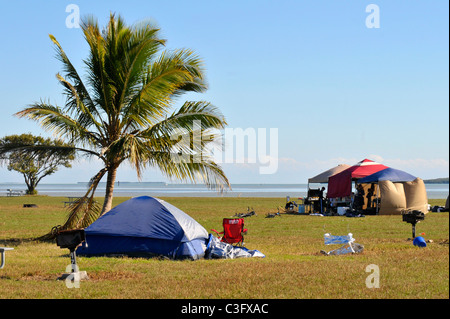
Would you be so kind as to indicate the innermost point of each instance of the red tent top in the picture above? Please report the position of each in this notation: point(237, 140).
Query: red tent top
point(340, 185)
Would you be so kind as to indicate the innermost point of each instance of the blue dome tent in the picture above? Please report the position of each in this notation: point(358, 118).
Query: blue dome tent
point(145, 226)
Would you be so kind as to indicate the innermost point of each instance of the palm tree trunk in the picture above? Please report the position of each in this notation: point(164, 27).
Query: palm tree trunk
point(107, 204)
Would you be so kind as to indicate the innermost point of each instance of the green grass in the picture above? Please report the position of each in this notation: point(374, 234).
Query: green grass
point(293, 267)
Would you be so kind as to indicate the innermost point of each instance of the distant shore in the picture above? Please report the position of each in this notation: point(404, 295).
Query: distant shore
point(132, 189)
point(437, 181)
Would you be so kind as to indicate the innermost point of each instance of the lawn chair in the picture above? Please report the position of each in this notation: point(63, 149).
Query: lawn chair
point(348, 242)
point(233, 231)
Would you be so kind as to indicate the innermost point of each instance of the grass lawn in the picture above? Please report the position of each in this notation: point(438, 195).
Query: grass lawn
point(293, 267)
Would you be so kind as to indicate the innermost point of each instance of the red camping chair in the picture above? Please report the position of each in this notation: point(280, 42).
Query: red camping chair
point(233, 231)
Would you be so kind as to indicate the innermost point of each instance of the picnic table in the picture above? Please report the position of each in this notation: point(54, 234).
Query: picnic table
point(2, 252)
point(71, 200)
point(14, 192)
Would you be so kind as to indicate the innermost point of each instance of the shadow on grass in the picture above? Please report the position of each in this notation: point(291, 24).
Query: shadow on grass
point(16, 241)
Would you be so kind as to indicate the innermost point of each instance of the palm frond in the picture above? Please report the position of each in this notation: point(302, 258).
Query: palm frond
point(166, 78)
point(82, 212)
point(130, 51)
point(76, 106)
point(206, 171)
point(72, 74)
point(204, 114)
point(101, 85)
point(85, 210)
point(53, 118)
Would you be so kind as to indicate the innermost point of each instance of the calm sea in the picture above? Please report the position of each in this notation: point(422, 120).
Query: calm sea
point(130, 189)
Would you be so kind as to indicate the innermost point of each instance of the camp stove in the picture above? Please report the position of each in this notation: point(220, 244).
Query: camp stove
point(413, 217)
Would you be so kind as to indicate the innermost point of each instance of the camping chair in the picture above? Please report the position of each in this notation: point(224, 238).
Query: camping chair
point(349, 246)
point(233, 231)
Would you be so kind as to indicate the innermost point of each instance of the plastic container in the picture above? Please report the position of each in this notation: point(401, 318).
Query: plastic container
point(420, 242)
point(342, 210)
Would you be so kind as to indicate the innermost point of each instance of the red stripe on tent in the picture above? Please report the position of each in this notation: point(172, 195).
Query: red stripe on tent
point(340, 185)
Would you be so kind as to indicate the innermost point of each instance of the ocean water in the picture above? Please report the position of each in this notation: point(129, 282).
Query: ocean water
point(130, 189)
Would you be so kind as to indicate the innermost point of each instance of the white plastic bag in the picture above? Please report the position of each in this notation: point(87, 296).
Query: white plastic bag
point(219, 249)
point(349, 245)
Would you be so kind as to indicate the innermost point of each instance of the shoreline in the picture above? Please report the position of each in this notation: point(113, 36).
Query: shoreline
point(181, 195)
point(295, 191)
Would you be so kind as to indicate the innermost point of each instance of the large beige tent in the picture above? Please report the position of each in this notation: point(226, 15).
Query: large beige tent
point(323, 177)
point(397, 197)
point(395, 191)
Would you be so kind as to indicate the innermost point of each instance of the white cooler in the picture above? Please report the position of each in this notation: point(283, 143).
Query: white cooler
point(342, 210)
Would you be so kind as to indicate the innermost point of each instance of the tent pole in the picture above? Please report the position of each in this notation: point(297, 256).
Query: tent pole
point(306, 197)
point(378, 196)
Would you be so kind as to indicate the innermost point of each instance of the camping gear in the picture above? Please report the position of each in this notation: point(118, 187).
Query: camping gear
point(272, 215)
point(419, 242)
point(349, 245)
point(248, 214)
point(292, 207)
point(313, 200)
point(342, 210)
point(340, 184)
point(313, 196)
point(233, 231)
point(437, 209)
point(413, 217)
point(218, 249)
point(301, 206)
point(71, 239)
point(145, 226)
point(2, 253)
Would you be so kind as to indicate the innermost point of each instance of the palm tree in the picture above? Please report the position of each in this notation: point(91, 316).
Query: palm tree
point(125, 110)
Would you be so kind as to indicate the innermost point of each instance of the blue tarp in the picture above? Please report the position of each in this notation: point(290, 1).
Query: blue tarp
point(145, 226)
point(388, 174)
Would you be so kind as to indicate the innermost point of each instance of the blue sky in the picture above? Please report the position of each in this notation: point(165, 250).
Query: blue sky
point(336, 90)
